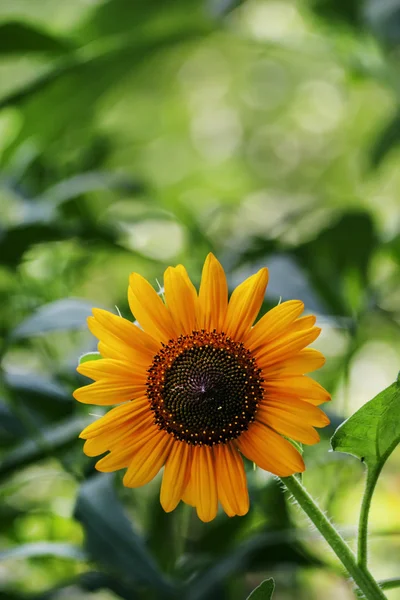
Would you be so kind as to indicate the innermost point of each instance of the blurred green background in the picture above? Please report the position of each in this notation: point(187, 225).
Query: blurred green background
point(135, 134)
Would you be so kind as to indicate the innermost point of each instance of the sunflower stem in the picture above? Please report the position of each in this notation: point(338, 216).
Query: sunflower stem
point(360, 574)
point(372, 478)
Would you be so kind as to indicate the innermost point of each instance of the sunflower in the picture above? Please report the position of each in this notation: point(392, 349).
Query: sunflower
point(197, 387)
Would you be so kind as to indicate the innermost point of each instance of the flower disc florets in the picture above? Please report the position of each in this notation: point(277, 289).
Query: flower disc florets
point(204, 388)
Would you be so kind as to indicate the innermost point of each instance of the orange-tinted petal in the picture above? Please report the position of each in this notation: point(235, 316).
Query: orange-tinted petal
point(148, 459)
point(176, 475)
point(120, 436)
point(213, 295)
point(270, 451)
point(116, 417)
point(204, 483)
point(181, 301)
point(188, 495)
point(288, 424)
point(302, 410)
point(121, 335)
point(231, 480)
point(299, 386)
point(148, 308)
point(108, 392)
point(306, 361)
point(274, 322)
point(121, 456)
point(285, 347)
point(244, 305)
point(303, 323)
point(108, 368)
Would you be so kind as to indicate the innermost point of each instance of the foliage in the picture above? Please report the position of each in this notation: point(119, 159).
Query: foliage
point(140, 134)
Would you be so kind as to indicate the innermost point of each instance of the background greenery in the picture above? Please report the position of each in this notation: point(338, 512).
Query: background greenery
point(138, 134)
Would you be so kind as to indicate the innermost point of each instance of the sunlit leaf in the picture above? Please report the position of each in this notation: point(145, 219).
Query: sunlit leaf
point(89, 356)
point(68, 313)
point(264, 591)
point(372, 433)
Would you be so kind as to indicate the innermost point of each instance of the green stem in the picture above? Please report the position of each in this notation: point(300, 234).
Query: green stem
point(361, 575)
point(390, 584)
point(372, 478)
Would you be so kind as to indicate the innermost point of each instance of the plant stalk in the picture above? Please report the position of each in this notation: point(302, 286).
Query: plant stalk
point(362, 549)
point(360, 574)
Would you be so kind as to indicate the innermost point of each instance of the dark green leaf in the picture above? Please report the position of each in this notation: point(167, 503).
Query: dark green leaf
point(264, 591)
point(372, 433)
point(341, 253)
point(89, 356)
point(29, 550)
point(110, 537)
point(37, 399)
point(16, 241)
point(46, 443)
point(21, 38)
point(69, 313)
point(387, 139)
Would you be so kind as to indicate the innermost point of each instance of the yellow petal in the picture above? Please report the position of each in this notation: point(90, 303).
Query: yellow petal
point(303, 323)
point(116, 331)
point(108, 392)
point(176, 475)
point(213, 295)
point(270, 451)
point(148, 308)
point(121, 436)
point(204, 483)
point(148, 460)
point(188, 495)
point(288, 425)
point(273, 323)
point(231, 480)
point(180, 300)
point(108, 368)
point(244, 305)
point(306, 361)
point(285, 347)
point(299, 386)
point(302, 410)
point(116, 417)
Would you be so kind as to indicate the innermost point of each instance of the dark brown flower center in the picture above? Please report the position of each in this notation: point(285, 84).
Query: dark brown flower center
point(204, 388)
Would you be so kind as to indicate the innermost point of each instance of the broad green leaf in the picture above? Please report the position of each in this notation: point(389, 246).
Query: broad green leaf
point(45, 444)
point(111, 538)
point(33, 549)
point(21, 38)
point(16, 241)
point(264, 591)
point(37, 399)
point(89, 356)
point(337, 261)
point(372, 433)
point(69, 313)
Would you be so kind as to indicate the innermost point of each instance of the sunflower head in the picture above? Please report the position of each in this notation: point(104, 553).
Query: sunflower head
point(198, 386)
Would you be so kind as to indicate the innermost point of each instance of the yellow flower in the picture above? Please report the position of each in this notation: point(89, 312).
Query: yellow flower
point(197, 387)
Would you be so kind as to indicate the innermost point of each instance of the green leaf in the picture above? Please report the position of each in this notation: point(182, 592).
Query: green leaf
point(372, 433)
point(20, 38)
point(90, 356)
point(387, 139)
point(69, 313)
point(110, 537)
point(47, 442)
point(264, 591)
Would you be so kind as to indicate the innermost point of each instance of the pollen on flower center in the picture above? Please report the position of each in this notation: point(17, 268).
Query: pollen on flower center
point(204, 388)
